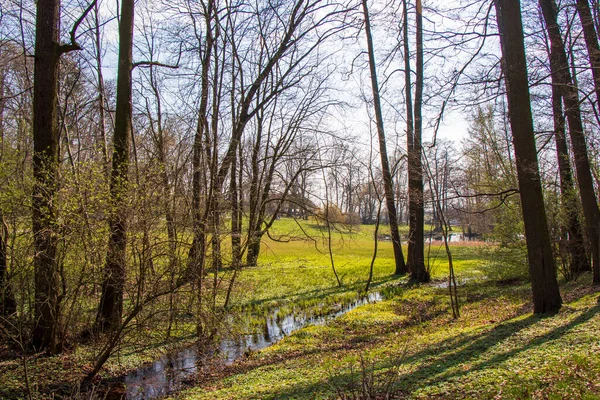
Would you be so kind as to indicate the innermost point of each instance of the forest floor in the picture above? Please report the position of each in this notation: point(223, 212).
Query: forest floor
point(407, 345)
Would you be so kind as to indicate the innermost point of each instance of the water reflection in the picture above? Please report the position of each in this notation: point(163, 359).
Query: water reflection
point(166, 374)
point(452, 237)
point(460, 281)
point(163, 376)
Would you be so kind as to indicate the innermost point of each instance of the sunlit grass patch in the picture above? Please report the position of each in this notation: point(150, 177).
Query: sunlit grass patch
point(410, 332)
point(497, 349)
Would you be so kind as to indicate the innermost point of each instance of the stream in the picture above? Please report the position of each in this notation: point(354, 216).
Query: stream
point(166, 375)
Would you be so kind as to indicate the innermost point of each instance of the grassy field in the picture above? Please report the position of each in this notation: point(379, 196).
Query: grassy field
point(407, 345)
point(296, 267)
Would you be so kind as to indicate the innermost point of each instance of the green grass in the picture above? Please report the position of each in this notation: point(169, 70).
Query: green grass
point(409, 340)
point(497, 349)
point(297, 269)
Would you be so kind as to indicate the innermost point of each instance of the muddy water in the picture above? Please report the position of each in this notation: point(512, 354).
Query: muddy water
point(166, 374)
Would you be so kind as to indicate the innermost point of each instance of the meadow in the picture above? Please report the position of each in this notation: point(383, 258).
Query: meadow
point(404, 346)
point(408, 345)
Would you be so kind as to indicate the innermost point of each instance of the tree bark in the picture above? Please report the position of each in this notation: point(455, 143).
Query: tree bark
point(8, 304)
point(546, 296)
point(45, 172)
point(416, 242)
point(575, 243)
point(110, 309)
point(582, 163)
point(591, 42)
point(385, 166)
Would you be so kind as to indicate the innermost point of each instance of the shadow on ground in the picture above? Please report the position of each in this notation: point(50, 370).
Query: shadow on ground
point(441, 363)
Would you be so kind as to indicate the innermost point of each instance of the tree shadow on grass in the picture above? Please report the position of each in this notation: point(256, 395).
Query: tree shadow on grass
point(440, 364)
point(320, 293)
point(442, 367)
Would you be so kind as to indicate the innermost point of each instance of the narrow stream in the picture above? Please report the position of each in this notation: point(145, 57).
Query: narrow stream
point(460, 281)
point(165, 375)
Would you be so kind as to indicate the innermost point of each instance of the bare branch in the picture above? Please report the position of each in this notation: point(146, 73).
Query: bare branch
point(65, 48)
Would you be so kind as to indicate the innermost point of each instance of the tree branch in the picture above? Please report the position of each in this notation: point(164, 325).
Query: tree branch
point(65, 48)
point(145, 64)
point(153, 64)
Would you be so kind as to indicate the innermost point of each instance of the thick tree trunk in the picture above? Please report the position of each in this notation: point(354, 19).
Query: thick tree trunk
point(573, 237)
point(253, 249)
point(385, 166)
point(416, 243)
point(542, 270)
point(45, 172)
point(110, 309)
point(582, 164)
point(410, 136)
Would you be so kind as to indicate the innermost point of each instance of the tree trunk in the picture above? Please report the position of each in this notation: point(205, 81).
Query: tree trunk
point(195, 265)
point(416, 243)
point(582, 163)
point(110, 309)
point(7, 299)
point(254, 221)
point(8, 304)
point(236, 232)
point(546, 296)
point(236, 224)
point(385, 166)
point(578, 258)
point(45, 172)
point(591, 42)
point(101, 92)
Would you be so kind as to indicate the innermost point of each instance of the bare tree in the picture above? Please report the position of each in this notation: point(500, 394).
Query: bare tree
point(437, 196)
point(546, 296)
point(385, 165)
point(573, 233)
point(416, 203)
point(560, 70)
point(110, 308)
point(198, 248)
point(48, 51)
point(7, 300)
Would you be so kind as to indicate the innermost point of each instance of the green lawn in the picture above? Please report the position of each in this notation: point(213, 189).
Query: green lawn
point(297, 268)
point(410, 347)
point(407, 344)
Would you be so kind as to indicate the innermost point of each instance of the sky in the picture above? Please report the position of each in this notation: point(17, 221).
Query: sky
point(454, 126)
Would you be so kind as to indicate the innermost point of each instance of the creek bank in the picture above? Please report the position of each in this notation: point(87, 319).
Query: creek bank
point(170, 373)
